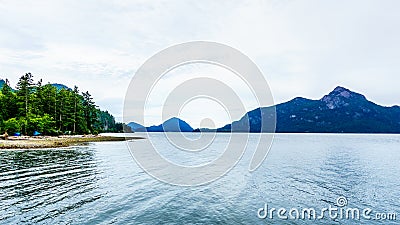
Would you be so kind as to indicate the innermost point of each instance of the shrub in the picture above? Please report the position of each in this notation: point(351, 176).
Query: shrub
point(12, 126)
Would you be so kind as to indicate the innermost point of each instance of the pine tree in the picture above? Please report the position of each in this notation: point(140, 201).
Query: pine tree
point(24, 87)
point(8, 102)
point(89, 109)
point(75, 115)
point(38, 100)
point(49, 110)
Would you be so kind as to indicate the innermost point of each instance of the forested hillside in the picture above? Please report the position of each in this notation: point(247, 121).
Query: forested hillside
point(50, 110)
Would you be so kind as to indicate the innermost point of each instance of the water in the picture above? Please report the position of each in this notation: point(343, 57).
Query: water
point(99, 183)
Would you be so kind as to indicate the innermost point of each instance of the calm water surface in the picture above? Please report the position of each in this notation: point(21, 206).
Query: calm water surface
point(99, 183)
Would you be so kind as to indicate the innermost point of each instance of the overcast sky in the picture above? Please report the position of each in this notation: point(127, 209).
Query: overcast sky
point(304, 48)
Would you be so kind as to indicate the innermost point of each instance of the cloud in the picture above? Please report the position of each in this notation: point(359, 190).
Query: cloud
point(304, 48)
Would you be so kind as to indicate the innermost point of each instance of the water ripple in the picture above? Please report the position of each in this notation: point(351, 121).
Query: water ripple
point(101, 184)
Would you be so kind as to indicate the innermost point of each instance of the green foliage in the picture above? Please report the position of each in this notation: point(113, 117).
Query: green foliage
point(8, 102)
point(25, 87)
point(51, 110)
point(12, 125)
point(43, 124)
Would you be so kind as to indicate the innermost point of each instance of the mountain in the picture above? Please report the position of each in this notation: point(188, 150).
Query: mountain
point(171, 125)
point(136, 127)
point(60, 86)
point(2, 82)
point(251, 122)
point(341, 111)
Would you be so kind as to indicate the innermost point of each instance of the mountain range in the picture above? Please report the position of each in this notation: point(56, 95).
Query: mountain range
point(340, 111)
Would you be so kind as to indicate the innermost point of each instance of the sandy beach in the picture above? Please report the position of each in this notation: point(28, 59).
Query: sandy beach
point(53, 142)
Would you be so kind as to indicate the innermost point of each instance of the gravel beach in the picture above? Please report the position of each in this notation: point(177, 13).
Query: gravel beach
point(54, 142)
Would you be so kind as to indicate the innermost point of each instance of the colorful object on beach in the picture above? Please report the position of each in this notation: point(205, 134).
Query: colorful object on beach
point(35, 133)
point(17, 134)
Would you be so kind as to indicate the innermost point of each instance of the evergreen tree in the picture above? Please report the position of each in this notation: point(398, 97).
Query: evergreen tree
point(51, 110)
point(8, 102)
point(38, 101)
point(25, 86)
point(89, 109)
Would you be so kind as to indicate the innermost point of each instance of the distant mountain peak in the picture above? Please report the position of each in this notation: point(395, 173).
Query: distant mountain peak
point(340, 97)
point(341, 92)
point(173, 124)
point(340, 111)
point(2, 82)
point(299, 100)
point(173, 118)
point(340, 89)
point(60, 86)
point(136, 126)
point(176, 124)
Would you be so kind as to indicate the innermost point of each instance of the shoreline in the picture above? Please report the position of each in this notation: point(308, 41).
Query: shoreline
point(56, 142)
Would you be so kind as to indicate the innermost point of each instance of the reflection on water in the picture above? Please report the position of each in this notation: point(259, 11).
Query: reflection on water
point(101, 184)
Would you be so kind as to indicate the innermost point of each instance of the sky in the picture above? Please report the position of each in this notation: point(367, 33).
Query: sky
point(304, 48)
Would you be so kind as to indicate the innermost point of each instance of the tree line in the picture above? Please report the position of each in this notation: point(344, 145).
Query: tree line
point(36, 108)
